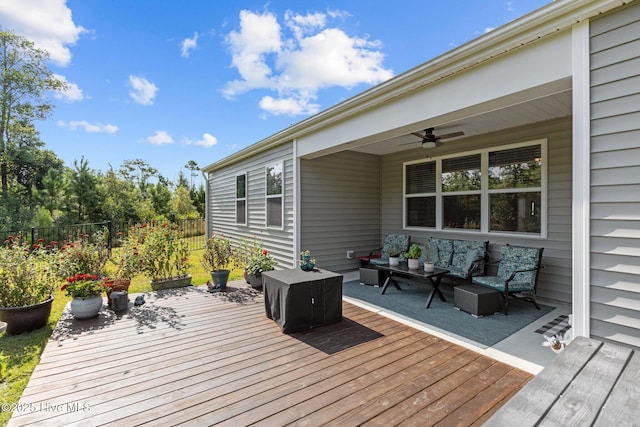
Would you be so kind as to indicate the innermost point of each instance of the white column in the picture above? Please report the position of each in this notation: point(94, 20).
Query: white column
point(581, 265)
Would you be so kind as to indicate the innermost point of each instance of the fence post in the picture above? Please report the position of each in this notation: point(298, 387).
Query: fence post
point(33, 235)
point(109, 237)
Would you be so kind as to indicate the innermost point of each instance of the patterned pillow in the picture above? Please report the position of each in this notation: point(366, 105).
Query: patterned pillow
point(441, 251)
point(518, 258)
point(465, 252)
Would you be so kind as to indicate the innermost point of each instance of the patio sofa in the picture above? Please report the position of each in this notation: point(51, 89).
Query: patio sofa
point(463, 258)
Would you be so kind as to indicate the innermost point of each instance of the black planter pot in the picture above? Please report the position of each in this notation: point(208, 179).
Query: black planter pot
point(254, 281)
point(27, 318)
point(220, 278)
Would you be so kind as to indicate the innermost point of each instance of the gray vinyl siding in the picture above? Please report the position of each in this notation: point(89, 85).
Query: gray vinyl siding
point(340, 208)
point(555, 279)
point(615, 176)
point(222, 192)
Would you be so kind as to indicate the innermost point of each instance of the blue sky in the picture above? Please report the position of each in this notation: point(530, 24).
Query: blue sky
point(170, 81)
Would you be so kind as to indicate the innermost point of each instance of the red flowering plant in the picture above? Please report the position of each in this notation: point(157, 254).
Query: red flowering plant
point(84, 254)
point(84, 285)
point(261, 261)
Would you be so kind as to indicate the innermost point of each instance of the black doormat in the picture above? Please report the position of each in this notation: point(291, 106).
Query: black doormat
point(409, 303)
point(557, 326)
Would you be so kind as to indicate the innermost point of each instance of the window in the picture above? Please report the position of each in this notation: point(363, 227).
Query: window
point(461, 185)
point(515, 190)
point(420, 194)
point(274, 195)
point(494, 190)
point(241, 199)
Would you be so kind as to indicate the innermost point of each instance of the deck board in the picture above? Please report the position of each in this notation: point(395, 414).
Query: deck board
point(193, 358)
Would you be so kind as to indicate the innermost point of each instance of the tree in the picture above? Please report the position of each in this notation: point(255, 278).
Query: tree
point(23, 88)
point(193, 167)
point(138, 171)
point(82, 185)
point(181, 203)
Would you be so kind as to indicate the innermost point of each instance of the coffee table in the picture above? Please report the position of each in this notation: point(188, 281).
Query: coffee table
point(418, 276)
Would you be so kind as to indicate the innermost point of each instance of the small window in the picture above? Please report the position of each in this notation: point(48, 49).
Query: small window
point(274, 195)
point(241, 199)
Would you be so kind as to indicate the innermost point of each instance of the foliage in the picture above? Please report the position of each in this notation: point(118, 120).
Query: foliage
point(261, 261)
point(160, 251)
point(86, 254)
point(414, 252)
point(394, 249)
point(217, 253)
point(84, 286)
point(27, 274)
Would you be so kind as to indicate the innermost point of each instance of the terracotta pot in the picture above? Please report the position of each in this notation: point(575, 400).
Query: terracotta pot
point(27, 318)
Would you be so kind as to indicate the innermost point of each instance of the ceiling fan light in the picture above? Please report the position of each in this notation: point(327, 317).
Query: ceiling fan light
point(428, 144)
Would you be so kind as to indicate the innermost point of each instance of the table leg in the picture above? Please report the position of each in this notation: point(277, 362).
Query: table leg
point(388, 280)
point(436, 290)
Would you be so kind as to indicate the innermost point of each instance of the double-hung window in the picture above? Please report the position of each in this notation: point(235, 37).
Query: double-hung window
point(490, 191)
point(274, 195)
point(241, 199)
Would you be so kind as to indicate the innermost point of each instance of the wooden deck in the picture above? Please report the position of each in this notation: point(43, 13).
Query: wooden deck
point(194, 358)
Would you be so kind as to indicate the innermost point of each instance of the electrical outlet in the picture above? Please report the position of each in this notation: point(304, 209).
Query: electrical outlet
point(349, 254)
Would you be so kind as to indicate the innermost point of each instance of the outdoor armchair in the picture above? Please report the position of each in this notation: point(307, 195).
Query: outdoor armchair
point(517, 274)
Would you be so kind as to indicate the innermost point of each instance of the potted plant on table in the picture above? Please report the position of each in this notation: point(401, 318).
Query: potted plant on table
point(86, 291)
point(27, 279)
point(259, 263)
point(429, 264)
point(393, 252)
point(216, 259)
point(413, 256)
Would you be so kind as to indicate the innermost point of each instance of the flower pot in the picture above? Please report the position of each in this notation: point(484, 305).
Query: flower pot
point(429, 267)
point(413, 264)
point(86, 307)
point(254, 280)
point(27, 318)
point(171, 282)
point(394, 261)
point(220, 278)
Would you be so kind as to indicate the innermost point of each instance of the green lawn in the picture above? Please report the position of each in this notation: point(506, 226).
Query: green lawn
point(20, 354)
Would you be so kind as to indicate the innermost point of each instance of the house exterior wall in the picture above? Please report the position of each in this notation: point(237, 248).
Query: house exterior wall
point(222, 198)
point(615, 176)
point(555, 279)
point(340, 208)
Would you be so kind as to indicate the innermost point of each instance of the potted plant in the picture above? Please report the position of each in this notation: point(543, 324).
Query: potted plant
point(27, 280)
point(306, 262)
point(429, 265)
point(413, 256)
point(393, 251)
point(216, 259)
point(259, 263)
point(244, 251)
point(86, 291)
point(162, 255)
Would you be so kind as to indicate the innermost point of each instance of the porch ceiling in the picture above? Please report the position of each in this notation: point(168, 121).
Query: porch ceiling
point(548, 107)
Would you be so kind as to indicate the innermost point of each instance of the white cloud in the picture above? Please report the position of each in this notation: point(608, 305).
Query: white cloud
point(207, 140)
point(48, 23)
point(71, 94)
point(142, 90)
point(297, 64)
point(161, 137)
point(88, 127)
point(188, 45)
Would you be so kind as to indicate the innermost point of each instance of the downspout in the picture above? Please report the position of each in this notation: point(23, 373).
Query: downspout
point(207, 226)
point(296, 205)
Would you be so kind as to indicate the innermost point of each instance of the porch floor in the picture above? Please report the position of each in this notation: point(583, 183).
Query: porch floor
point(190, 357)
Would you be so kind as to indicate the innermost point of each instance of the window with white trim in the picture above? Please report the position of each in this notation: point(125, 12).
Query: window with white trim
point(491, 191)
point(274, 198)
point(241, 199)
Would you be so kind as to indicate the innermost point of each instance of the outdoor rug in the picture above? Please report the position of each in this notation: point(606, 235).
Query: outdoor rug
point(558, 326)
point(409, 303)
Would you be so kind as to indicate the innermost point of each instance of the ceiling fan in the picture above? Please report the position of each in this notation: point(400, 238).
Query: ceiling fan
point(429, 140)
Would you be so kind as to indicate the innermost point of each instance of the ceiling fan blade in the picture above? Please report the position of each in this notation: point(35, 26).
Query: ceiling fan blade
point(450, 135)
point(419, 135)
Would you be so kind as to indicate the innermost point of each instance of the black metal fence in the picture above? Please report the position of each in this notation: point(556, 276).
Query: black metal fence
point(191, 229)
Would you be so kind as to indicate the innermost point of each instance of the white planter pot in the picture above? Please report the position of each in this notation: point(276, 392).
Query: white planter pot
point(86, 308)
point(413, 264)
point(394, 261)
point(428, 267)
